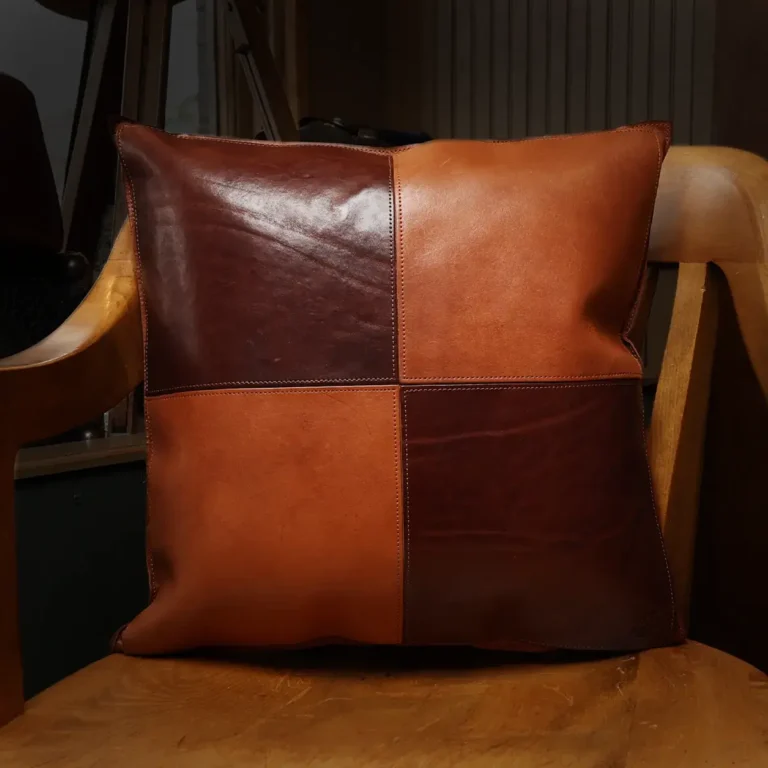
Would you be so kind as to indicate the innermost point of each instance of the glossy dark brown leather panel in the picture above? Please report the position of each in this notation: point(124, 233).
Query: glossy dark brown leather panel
point(261, 263)
point(529, 518)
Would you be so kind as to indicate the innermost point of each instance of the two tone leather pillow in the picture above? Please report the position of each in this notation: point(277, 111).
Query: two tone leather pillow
point(391, 395)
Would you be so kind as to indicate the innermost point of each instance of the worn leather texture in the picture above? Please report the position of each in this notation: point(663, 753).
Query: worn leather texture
point(393, 396)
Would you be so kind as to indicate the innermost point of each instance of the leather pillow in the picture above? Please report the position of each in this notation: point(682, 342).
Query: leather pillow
point(391, 395)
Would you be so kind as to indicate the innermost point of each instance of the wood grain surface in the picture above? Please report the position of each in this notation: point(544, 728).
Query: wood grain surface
point(685, 707)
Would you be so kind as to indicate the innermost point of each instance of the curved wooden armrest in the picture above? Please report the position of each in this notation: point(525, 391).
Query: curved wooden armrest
point(712, 217)
point(85, 366)
point(713, 207)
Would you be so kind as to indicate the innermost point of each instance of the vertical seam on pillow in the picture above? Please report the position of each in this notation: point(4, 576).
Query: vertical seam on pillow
point(406, 513)
point(131, 204)
point(644, 257)
point(673, 607)
point(399, 586)
point(392, 261)
point(400, 256)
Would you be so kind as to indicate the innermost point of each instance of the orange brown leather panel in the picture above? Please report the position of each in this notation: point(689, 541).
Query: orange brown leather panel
point(522, 260)
point(530, 518)
point(261, 263)
point(274, 518)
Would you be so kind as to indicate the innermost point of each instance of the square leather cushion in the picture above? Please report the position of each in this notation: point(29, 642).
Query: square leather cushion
point(391, 395)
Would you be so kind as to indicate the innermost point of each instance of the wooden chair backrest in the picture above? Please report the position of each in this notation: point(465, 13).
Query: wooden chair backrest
point(711, 218)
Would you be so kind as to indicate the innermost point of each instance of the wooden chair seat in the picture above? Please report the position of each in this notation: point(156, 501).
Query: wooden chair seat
point(677, 707)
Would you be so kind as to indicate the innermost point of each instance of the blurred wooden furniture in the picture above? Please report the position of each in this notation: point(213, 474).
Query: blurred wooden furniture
point(681, 707)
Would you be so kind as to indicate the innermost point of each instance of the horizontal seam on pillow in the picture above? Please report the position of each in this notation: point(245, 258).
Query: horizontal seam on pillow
point(629, 375)
point(267, 391)
point(388, 388)
point(518, 387)
point(539, 376)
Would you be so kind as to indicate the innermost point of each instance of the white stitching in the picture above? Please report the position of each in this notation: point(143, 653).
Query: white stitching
point(384, 380)
point(398, 510)
point(262, 391)
point(519, 387)
point(399, 256)
point(406, 509)
point(392, 263)
point(513, 377)
point(261, 383)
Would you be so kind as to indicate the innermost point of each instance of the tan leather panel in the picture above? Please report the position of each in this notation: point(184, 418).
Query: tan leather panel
point(512, 256)
point(274, 519)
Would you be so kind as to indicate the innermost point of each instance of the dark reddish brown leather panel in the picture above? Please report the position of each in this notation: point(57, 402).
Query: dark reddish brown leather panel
point(274, 518)
point(529, 518)
point(261, 263)
point(521, 260)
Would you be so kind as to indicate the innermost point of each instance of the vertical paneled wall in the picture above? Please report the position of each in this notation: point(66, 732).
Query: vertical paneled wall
point(512, 68)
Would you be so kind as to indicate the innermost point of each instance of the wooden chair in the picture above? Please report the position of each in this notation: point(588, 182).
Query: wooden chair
point(686, 707)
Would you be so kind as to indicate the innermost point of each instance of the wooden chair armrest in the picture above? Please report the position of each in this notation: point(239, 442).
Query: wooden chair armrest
point(85, 366)
point(712, 206)
point(712, 217)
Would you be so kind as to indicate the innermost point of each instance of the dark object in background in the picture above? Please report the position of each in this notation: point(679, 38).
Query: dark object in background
point(39, 286)
point(29, 204)
point(80, 544)
point(336, 131)
point(39, 289)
